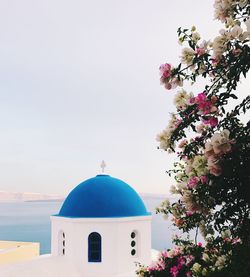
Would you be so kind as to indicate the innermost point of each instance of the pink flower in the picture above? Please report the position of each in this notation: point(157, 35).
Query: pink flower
point(199, 244)
point(216, 170)
point(212, 121)
point(213, 167)
point(193, 182)
point(236, 241)
point(203, 179)
point(192, 100)
point(169, 81)
point(175, 82)
point(189, 213)
point(200, 51)
point(189, 259)
point(177, 250)
point(161, 265)
point(189, 273)
point(174, 271)
point(215, 61)
point(164, 254)
point(165, 70)
point(214, 99)
point(201, 97)
point(177, 123)
point(152, 267)
point(168, 86)
point(205, 106)
point(181, 262)
point(183, 143)
point(209, 150)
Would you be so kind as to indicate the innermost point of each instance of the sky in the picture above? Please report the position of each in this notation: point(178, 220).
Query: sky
point(79, 83)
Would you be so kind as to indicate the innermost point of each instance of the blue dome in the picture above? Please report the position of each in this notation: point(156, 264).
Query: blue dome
point(103, 196)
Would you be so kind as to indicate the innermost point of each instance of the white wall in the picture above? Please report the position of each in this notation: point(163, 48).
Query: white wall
point(143, 244)
point(116, 243)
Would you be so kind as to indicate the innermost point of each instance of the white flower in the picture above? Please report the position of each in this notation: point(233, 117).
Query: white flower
point(171, 253)
point(200, 128)
point(187, 55)
point(236, 31)
point(219, 46)
point(226, 234)
point(196, 268)
point(165, 204)
point(164, 139)
point(204, 272)
point(221, 261)
point(222, 9)
point(200, 165)
point(173, 190)
point(222, 32)
point(205, 257)
point(181, 99)
point(221, 142)
point(181, 186)
point(196, 36)
point(230, 22)
point(243, 3)
point(244, 36)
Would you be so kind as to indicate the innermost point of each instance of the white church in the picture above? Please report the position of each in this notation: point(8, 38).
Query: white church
point(102, 229)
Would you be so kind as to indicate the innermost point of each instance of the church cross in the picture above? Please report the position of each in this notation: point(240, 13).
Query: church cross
point(103, 165)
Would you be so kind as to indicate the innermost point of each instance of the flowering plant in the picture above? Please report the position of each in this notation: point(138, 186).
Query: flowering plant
point(212, 144)
point(189, 259)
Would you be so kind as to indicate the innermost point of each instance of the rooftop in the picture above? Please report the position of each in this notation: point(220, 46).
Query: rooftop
point(103, 196)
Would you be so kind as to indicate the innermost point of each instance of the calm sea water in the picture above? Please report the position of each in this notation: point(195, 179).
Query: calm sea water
point(30, 221)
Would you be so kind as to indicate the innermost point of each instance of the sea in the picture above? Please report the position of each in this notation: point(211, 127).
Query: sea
point(30, 221)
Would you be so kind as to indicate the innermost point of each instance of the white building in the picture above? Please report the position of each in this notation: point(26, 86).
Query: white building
point(102, 229)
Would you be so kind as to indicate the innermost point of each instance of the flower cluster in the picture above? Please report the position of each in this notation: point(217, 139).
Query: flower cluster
point(189, 259)
point(182, 99)
point(164, 138)
point(212, 177)
point(219, 145)
point(224, 9)
point(168, 78)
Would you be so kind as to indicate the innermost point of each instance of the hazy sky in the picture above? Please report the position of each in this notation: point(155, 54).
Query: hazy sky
point(79, 83)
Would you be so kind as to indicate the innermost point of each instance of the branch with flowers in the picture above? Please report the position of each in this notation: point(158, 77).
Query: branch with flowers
point(213, 146)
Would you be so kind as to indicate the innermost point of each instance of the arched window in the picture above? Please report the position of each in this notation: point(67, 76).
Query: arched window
point(95, 248)
point(61, 243)
point(134, 243)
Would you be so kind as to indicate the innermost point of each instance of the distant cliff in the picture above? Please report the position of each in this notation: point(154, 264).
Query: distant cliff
point(6, 196)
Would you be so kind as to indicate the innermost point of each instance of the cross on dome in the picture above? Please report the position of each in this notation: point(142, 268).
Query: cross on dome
point(103, 165)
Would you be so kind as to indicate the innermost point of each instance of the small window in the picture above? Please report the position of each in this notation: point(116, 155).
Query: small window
point(134, 243)
point(94, 248)
point(61, 243)
point(133, 252)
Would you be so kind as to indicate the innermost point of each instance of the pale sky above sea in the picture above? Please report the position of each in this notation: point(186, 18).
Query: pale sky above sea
point(79, 83)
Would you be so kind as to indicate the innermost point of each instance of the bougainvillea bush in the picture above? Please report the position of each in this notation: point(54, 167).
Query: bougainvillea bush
point(213, 148)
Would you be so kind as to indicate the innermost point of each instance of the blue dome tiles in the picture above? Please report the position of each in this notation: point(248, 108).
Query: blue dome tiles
point(103, 196)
